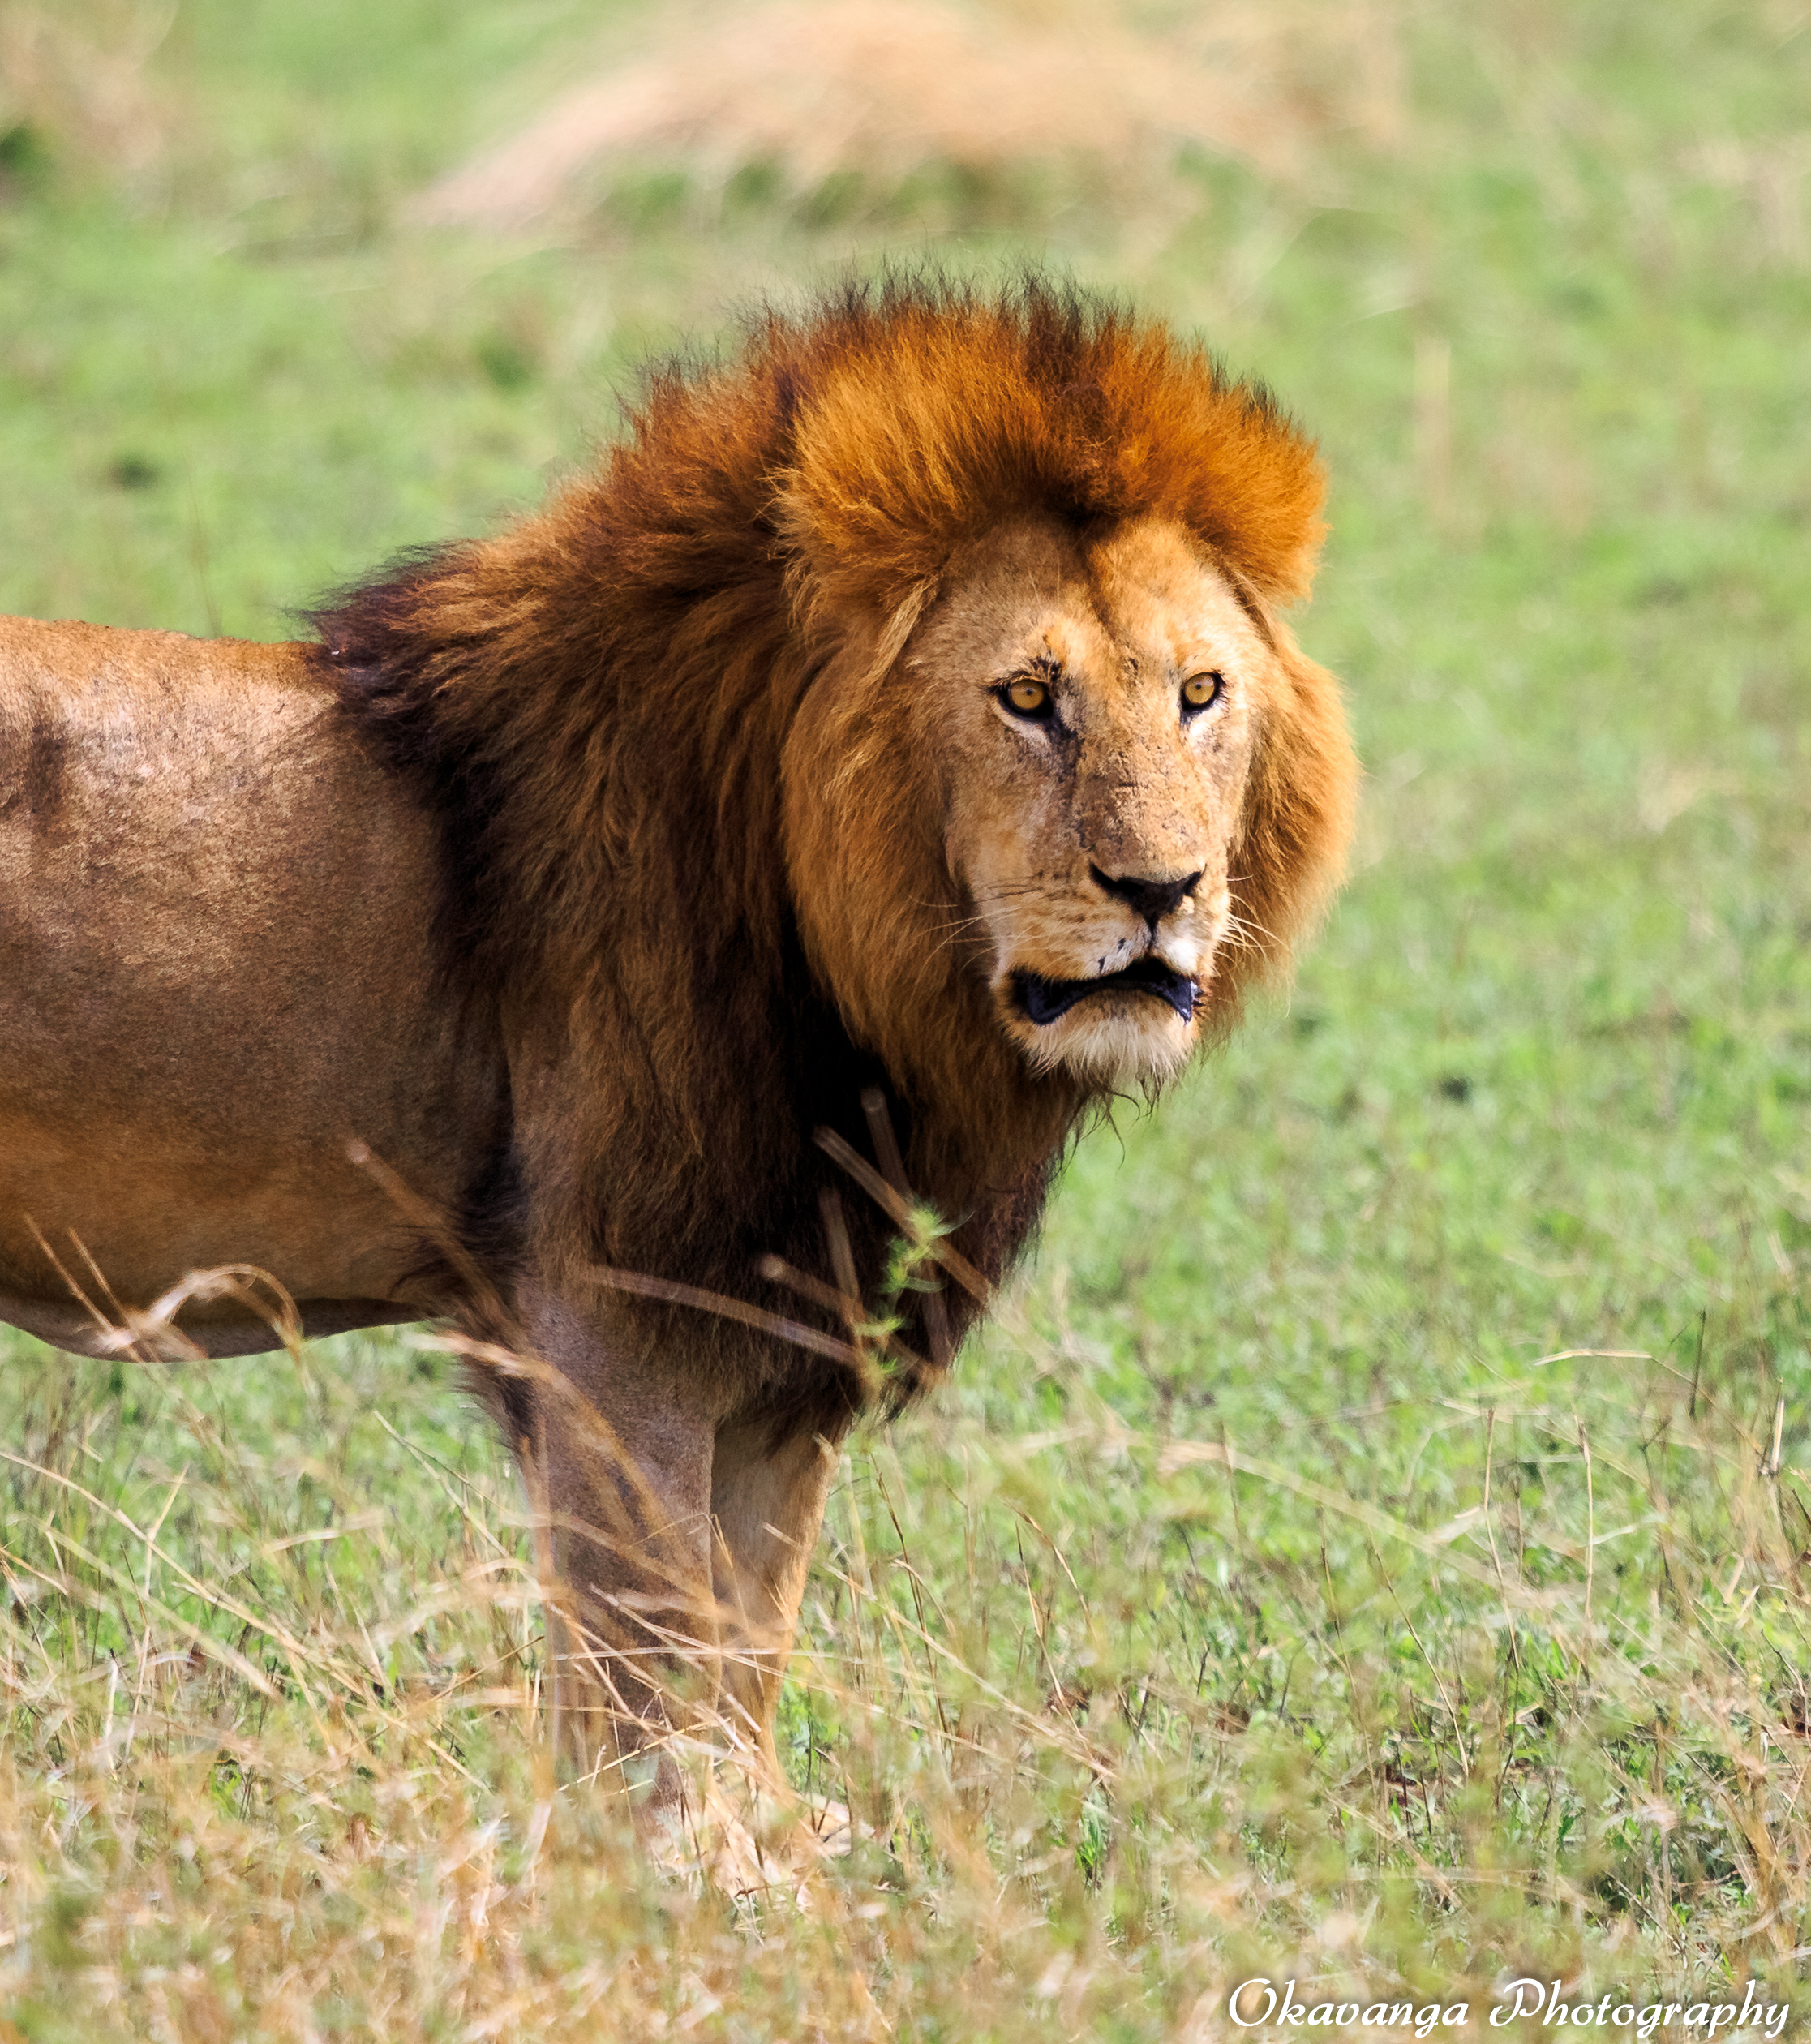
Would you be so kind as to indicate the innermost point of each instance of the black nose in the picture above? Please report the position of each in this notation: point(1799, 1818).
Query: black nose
point(1152, 898)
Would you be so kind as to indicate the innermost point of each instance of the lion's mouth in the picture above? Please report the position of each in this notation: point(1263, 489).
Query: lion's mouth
point(1044, 1001)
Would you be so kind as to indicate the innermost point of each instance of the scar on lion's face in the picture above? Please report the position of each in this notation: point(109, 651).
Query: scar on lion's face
point(1104, 698)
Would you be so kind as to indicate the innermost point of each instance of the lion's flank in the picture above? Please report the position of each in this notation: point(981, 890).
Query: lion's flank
point(596, 703)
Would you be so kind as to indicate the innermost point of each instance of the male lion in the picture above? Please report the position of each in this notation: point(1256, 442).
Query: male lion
point(897, 742)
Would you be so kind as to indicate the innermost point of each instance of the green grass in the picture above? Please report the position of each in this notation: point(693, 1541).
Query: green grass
point(1278, 1590)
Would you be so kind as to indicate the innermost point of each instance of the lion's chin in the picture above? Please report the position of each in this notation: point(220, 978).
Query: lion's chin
point(1109, 1042)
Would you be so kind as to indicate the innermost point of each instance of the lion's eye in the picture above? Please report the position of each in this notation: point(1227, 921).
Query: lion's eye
point(1026, 697)
point(1201, 691)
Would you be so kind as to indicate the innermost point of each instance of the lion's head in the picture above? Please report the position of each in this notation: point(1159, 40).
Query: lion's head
point(1097, 702)
point(1063, 781)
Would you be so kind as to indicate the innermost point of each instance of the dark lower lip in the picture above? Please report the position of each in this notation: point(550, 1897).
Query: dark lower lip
point(1044, 1001)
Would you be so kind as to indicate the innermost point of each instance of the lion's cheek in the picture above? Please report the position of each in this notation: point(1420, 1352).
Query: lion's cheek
point(1005, 847)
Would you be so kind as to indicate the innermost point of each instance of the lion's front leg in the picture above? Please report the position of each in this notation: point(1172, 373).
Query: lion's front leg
point(767, 1495)
point(618, 1463)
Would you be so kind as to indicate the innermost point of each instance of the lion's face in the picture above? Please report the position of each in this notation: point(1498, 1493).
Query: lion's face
point(1094, 706)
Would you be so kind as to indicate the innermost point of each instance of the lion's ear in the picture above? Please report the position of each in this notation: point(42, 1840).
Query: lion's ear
point(890, 643)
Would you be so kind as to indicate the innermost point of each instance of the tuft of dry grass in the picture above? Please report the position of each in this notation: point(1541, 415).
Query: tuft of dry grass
point(75, 79)
point(812, 89)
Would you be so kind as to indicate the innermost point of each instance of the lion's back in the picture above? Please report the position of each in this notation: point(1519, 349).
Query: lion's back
point(165, 799)
point(220, 956)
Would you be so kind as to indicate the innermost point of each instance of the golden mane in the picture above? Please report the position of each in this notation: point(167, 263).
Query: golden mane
point(597, 705)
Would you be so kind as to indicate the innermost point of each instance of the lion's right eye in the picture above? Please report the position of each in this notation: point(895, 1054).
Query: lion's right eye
point(1201, 691)
point(1026, 697)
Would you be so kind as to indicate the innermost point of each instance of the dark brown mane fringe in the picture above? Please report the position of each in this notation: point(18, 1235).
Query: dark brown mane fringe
point(596, 704)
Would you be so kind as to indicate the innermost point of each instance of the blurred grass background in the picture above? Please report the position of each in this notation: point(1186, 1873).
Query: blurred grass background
point(1370, 1549)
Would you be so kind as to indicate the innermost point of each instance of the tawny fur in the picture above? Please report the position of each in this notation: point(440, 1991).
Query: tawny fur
point(676, 751)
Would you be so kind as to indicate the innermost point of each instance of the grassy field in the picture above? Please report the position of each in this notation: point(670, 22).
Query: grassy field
point(1371, 1548)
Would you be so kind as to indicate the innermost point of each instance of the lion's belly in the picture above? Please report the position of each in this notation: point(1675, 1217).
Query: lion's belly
point(218, 974)
point(134, 1211)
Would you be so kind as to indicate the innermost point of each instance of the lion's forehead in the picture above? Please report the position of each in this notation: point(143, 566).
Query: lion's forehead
point(1158, 600)
point(1138, 609)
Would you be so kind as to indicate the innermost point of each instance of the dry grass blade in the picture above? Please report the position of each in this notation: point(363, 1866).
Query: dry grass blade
point(898, 1208)
point(777, 1324)
point(1182, 1454)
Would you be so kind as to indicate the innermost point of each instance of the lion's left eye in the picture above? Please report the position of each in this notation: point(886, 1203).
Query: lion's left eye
point(1027, 696)
point(1201, 691)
